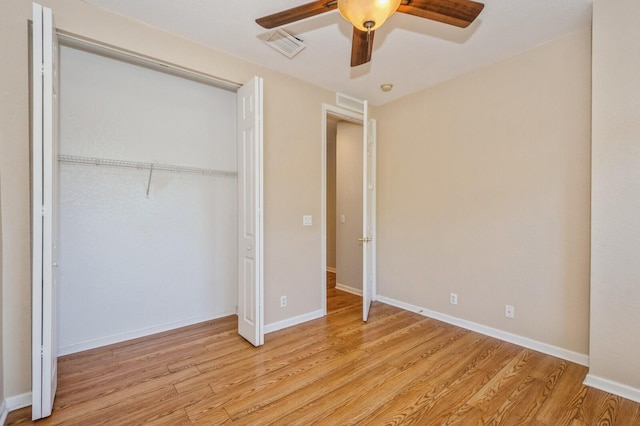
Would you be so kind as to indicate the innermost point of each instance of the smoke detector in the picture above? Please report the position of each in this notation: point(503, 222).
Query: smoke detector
point(285, 43)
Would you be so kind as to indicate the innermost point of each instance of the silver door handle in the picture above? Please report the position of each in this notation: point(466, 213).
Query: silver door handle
point(365, 240)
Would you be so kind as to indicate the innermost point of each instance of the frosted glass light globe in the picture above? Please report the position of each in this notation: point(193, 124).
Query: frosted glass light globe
point(367, 14)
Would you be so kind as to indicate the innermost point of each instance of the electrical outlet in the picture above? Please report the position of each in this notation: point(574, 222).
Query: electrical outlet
point(283, 301)
point(454, 299)
point(509, 311)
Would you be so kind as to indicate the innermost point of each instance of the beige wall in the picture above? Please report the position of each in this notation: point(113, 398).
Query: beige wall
point(332, 128)
point(349, 205)
point(292, 161)
point(615, 226)
point(483, 190)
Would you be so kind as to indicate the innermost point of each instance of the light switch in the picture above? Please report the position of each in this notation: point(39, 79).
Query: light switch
point(307, 220)
point(342, 219)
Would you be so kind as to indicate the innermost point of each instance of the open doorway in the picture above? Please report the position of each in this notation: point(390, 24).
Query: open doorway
point(350, 250)
point(344, 205)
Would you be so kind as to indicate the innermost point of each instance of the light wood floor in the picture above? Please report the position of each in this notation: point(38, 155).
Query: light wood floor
point(331, 279)
point(399, 368)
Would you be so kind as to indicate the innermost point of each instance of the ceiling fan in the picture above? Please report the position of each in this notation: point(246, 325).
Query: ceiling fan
point(368, 15)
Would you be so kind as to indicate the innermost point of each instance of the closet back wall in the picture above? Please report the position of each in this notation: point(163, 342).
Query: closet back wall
point(132, 265)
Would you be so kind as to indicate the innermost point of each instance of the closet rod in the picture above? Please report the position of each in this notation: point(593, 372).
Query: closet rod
point(93, 161)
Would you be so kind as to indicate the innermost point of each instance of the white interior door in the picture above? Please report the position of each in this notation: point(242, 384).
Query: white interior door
point(368, 213)
point(250, 223)
point(44, 211)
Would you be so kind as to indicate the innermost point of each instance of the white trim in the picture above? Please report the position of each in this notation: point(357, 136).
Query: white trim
point(19, 401)
point(117, 338)
point(610, 386)
point(3, 412)
point(290, 322)
point(356, 291)
point(331, 269)
point(576, 357)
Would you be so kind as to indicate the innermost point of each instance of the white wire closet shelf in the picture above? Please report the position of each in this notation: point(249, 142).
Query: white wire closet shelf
point(124, 164)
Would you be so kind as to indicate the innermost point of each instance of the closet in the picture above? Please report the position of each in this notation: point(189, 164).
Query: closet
point(147, 201)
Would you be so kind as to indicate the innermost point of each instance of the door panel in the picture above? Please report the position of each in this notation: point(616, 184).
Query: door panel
point(44, 211)
point(250, 235)
point(368, 212)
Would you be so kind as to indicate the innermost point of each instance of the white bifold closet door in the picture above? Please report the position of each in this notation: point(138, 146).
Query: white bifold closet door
point(250, 219)
point(44, 211)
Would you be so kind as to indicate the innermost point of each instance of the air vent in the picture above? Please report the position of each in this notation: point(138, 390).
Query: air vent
point(349, 102)
point(285, 43)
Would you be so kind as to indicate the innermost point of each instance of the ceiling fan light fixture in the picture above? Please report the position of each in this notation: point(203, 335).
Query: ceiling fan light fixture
point(367, 15)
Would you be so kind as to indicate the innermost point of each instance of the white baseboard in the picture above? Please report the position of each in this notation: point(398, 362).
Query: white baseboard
point(576, 357)
point(134, 334)
point(289, 322)
point(610, 386)
point(19, 401)
point(331, 269)
point(3, 412)
point(356, 291)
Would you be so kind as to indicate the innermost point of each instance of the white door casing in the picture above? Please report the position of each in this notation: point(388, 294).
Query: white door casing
point(44, 211)
point(250, 217)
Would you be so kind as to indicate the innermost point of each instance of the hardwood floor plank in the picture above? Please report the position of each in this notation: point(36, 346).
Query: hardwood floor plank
point(600, 408)
point(433, 370)
point(522, 405)
point(148, 410)
point(273, 386)
point(108, 384)
point(562, 410)
point(398, 368)
point(629, 413)
point(488, 399)
point(475, 376)
point(247, 395)
point(320, 401)
point(234, 372)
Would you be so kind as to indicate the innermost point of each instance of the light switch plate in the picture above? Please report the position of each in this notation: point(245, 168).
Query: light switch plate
point(307, 220)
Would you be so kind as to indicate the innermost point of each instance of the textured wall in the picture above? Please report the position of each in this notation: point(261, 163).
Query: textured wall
point(130, 265)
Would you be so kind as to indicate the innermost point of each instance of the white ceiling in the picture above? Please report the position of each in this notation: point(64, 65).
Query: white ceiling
point(410, 52)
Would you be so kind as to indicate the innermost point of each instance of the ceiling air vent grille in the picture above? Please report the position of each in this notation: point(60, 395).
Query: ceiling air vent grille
point(350, 102)
point(285, 43)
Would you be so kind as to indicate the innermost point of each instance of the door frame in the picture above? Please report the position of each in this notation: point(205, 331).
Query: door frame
point(352, 117)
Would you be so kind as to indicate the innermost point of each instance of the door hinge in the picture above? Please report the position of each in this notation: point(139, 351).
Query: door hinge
point(42, 69)
point(41, 352)
point(42, 210)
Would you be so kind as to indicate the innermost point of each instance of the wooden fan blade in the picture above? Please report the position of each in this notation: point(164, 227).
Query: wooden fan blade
point(454, 12)
point(361, 47)
point(297, 13)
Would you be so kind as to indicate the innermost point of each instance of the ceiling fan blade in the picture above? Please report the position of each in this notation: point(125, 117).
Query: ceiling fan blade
point(361, 47)
point(297, 13)
point(454, 12)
